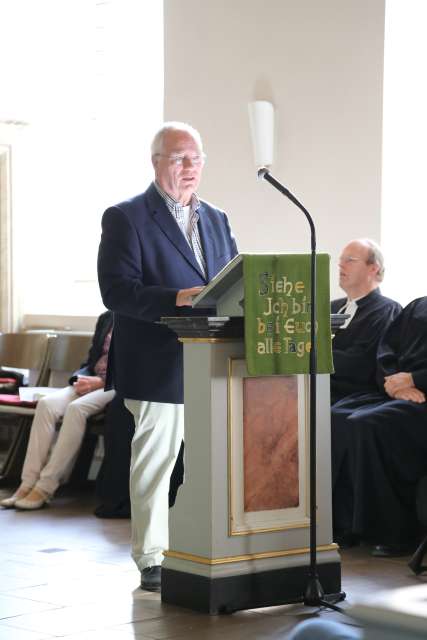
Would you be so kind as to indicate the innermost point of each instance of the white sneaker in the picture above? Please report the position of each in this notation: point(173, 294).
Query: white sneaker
point(21, 492)
point(36, 499)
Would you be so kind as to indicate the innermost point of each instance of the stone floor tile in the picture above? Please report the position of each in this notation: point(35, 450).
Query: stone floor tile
point(75, 574)
point(12, 606)
point(115, 633)
point(188, 622)
point(11, 633)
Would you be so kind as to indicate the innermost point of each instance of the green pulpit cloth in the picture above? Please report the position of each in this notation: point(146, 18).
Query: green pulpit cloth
point(277, 314)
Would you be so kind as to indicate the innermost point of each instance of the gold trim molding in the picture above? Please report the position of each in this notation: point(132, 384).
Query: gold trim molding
point(247, 557)
point(280, 527)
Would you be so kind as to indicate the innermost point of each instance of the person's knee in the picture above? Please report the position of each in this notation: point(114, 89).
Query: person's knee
point(359, 424)
point(76, 412)
point(46, 407)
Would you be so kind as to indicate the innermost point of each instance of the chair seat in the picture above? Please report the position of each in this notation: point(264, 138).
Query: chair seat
point(9, 402)
point(8, 385)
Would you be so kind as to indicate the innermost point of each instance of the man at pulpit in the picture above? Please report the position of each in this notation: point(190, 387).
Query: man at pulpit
point(157, 251)
point(355, 344)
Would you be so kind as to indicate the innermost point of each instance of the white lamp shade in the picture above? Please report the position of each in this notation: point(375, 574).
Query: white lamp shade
point(261, 120)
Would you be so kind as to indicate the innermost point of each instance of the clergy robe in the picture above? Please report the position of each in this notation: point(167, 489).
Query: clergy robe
point(355, 347)
point(379, 444)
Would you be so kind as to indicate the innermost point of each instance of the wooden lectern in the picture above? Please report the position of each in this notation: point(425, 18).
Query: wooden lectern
point(239, 531)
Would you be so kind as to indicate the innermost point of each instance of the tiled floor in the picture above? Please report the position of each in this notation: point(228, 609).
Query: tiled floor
point(65, 573)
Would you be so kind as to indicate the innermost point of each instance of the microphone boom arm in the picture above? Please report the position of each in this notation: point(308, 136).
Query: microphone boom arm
point(314, 594)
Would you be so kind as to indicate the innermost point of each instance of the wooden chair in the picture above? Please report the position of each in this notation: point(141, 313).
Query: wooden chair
point(67, 353)
point(26, 351)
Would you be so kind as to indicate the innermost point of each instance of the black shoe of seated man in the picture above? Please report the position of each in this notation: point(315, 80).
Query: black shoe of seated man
point(347, 540)
point(391, 550)
point(151, 578)
point(118, 510)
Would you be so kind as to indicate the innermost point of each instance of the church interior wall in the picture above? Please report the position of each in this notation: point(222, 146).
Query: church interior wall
point(321, 65)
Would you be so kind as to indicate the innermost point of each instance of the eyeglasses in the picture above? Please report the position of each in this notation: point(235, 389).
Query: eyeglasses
point(179, 160)
point(348, 259)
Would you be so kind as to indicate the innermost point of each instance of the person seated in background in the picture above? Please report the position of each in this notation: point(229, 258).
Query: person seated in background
point(84, 397)
point(112, 482)
point(354, 347)
point(379, 442)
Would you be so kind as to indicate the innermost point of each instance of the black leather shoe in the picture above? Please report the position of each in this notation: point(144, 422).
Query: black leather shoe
point(391, 550)
point(347, 540)
point(151, 578)
point(119, 510)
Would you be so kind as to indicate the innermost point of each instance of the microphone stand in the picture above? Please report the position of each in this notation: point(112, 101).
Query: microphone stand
point(314, 594)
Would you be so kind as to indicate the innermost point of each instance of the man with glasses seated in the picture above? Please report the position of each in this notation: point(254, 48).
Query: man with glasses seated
point(354, 347)
point(361, 269)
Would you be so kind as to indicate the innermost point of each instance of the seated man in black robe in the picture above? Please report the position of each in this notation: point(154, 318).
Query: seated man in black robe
point(355, 343)
point(379, 442)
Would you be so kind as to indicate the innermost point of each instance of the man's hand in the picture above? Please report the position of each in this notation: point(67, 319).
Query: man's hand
point(184, 297)
point(410, 393)
point(398, 381)
point(86, 384)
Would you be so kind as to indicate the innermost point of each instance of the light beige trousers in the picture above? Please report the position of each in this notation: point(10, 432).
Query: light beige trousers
point(47, 473)
point(159, 430)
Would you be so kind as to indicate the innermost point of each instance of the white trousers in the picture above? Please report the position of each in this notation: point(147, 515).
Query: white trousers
point(37, 470)
point(159, 430)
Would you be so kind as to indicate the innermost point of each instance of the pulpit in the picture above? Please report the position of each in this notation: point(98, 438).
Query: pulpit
point(239, 531)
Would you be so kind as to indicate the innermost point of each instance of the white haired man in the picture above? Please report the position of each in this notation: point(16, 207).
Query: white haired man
point(157, 251)
point(355, 344)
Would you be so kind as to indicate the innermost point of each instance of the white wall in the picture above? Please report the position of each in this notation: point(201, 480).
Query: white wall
point(321, 64)
point(404, 224)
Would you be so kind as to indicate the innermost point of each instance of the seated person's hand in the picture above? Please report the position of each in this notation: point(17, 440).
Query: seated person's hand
point(398, 381)
point(86, 384)
point(184, 297)
point(410, 393)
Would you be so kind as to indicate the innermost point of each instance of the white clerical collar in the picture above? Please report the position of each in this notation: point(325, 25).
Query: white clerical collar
point(349, 308)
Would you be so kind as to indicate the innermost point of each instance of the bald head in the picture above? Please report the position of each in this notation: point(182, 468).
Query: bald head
point(361, 267)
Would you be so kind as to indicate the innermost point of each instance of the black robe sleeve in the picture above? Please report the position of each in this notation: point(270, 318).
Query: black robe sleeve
point(404, 345)
point(355, 347)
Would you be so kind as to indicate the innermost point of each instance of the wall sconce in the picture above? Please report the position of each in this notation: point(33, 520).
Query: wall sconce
point(261, 120)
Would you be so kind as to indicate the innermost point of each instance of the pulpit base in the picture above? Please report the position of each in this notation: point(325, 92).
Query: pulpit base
point(247, 591)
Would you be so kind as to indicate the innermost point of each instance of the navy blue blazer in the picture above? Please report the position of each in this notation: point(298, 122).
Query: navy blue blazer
point(143, 261)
